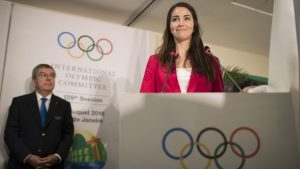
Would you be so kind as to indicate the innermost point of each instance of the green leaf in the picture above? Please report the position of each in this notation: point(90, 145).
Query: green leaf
point(237, 73)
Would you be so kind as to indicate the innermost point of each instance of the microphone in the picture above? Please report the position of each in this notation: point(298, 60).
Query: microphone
point(207, 49)
point(170, 66)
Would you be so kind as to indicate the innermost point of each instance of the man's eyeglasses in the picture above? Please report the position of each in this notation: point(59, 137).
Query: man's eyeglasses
point(46, 76)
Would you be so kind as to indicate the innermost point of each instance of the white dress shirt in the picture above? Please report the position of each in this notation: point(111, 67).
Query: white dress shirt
point(183, 76)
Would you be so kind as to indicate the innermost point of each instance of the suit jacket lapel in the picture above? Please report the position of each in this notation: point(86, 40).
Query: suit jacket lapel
point(34, 108)
point(51, 109)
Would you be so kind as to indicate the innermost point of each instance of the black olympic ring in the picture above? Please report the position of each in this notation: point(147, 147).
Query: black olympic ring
point(86, 48)
point(223, 136)
point(217, 153)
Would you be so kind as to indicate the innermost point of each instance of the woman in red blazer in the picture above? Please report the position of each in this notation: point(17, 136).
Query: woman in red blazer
point(181, 64)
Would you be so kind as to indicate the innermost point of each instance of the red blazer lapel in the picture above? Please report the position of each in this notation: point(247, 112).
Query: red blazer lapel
point(173, 82)
point(193, 82)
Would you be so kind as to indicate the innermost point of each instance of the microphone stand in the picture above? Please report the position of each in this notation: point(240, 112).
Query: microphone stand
point(207, 49)
point(230, 77)
point(170, 66)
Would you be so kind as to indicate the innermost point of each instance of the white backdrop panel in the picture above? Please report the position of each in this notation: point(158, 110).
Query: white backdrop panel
point(89, 80)
point(5, 8)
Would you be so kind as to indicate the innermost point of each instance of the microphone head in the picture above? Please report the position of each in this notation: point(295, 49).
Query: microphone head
point(207, 49)
point(173, 53)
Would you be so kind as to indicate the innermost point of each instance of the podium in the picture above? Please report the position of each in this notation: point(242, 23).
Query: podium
point(207, 130)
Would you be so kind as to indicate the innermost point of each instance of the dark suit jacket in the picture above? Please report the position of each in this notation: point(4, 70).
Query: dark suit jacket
point(25, 135)
point(155, 76)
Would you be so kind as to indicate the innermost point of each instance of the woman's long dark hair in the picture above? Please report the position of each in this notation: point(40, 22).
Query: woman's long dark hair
point(200, 61)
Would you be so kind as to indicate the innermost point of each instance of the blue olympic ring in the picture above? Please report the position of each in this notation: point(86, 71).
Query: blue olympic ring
point(66, 47)
point(164, 143)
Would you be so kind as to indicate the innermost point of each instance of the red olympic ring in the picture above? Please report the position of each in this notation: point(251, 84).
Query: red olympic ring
point(108, 41)
point(257, 139)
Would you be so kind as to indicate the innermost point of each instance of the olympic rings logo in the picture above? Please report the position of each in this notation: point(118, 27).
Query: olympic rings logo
point(85, 45)
point(206, 153)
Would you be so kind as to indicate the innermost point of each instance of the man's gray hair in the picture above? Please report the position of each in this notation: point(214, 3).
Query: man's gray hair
point(38, 67)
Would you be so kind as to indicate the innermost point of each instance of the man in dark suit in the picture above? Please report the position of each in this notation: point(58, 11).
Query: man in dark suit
point(39, 135)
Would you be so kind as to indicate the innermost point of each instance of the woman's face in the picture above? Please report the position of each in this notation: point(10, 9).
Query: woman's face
point(181, 24)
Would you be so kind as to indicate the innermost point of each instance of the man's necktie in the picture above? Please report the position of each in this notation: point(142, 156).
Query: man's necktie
point(43, 111)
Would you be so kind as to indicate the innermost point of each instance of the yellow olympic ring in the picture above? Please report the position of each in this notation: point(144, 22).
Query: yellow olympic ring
point(208, 164)
point(73, 56)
